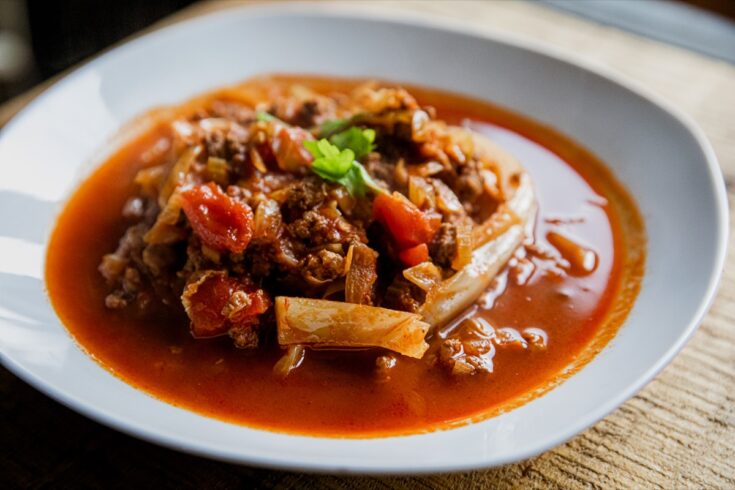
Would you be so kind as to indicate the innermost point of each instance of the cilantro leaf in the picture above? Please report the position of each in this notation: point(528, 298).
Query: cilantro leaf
point(358, 181)
point(263, 116)
point(360, 141)
point(339, 165)
point(329, 162)
point(327, 128)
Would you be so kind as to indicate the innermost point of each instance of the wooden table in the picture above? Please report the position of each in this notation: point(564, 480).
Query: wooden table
point(678, 432)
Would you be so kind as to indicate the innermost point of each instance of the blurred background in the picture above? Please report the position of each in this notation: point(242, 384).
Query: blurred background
point(40, 39)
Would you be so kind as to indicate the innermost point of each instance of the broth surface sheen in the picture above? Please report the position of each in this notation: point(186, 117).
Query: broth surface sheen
point(336, 393)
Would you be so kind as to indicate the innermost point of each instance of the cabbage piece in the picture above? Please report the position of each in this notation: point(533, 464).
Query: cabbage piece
point(464, 244)
point(164, 231)
point(424, 275)
point(334, 324)
point(493, 241)
point(268, 220)
point(362, 272)
point(178, 173)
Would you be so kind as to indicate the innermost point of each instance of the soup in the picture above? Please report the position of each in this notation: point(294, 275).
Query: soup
point(344, 258)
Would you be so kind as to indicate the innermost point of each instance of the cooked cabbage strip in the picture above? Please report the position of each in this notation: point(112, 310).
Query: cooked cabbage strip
point(334, 324)
point(494, 241)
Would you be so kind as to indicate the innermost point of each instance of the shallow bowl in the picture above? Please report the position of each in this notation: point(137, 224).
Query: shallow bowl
point(660, 156)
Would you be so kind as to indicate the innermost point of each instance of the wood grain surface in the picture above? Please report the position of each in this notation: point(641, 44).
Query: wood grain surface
point(678, 432)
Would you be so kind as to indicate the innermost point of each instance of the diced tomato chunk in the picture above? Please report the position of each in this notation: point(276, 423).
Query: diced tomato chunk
point(205, 303)
point(259, 304)
point(407, 224)
point(221, 222)
point(288, 148)
point(414, 255)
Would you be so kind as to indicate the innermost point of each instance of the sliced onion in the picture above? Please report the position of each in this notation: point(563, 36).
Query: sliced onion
point(334, 324)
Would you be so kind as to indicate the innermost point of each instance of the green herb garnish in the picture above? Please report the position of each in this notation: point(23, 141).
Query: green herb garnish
point(335, 164)
point(331, 126)
point(330, 163)
point(263, 116)
point(360, 141)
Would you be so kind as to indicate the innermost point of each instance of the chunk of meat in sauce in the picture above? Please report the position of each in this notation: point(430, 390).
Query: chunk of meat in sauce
point(470, 349)
point(322, 267)
point(443, 247)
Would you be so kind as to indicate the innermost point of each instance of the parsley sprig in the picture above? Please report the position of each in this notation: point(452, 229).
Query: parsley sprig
point(335, 159)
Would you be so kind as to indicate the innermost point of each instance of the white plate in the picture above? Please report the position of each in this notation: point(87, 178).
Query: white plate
point(660, 155)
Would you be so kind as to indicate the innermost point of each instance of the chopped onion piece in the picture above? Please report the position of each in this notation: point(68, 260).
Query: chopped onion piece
point(446, 199)
point(424, 275)
point(292, 359)
point(421, 193)
point(217, 170)
point(464, 244)
point(334, 324)
point(267, 222)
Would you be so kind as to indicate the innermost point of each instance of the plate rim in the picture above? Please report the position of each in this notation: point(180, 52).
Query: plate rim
point(455, 26)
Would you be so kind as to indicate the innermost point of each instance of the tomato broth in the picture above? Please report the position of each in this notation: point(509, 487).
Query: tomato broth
point(336, 393)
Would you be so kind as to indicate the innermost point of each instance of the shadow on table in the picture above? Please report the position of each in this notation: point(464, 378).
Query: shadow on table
point(47, 444)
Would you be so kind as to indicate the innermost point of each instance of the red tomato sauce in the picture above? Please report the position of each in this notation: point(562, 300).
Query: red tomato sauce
point(336, 393)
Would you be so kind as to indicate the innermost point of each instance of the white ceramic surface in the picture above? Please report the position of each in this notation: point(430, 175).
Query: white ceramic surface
point(662, 157)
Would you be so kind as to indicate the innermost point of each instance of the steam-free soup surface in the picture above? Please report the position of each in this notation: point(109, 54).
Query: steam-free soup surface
point(338, 392)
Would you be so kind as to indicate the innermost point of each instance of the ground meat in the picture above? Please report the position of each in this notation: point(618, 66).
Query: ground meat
point(469, 349)
point(469, 188)
point(229, 144)
point(404, 296)
point(303, 196)
point(228, 110)
point(443, 247)
point(114, 267)
point(388, 167)
point(245, 337)
point(117, 300)
point(159, 259)
point(315, 229)
point(303, 251)
point(322, 267)
point(307, 114)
